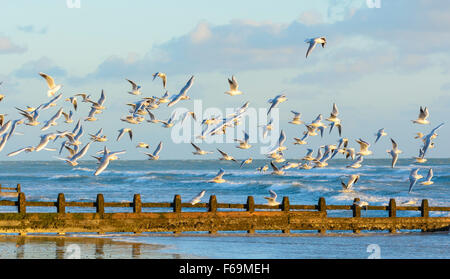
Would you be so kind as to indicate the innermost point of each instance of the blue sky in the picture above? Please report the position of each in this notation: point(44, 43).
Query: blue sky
point(380, 64)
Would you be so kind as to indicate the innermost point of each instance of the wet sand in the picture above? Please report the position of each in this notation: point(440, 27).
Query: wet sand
point(76, 247)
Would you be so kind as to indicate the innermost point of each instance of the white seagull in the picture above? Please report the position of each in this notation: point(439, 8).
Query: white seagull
point(53, 88)
point(233, 87)
point(313, 42)
point(272, 200)
point(198, 198)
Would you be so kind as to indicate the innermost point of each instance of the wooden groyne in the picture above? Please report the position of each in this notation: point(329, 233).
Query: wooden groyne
point(214, 217)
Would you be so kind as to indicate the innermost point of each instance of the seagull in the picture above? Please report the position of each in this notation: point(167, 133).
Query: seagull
point(421, 158)
point(152, 117)
point(5, 127)
point(428, 179)
point(218, 178)
point(155, 155)
point(419, 135)
point(52, 121)
point(301, 140)
point(104, 161)
point(276, 171)
point(68, 117)
point(73, 101)
point(380, 134)
point(31, 117)
point(135, 88)
point(199, 151)
point(275, 101)
point(272, 199)
point(243, 144)
point(296, 120)
point(363, 148)
point(427, 139)
point(317, 123)
point(263, 168)
point(123, 131)
point(164, 98)
point(423, 115)
point(99, 104)
point(308, 156)
point(280, 145)
point(247, 161)
point(96, 137)
point(357, 164)
point(84, 96)
point(413, 178)
point(186, 115)
point(142, 145)
point(53, 88)
point(26, 149)
point(225, 156)
point(170, 122)
point(313, 42)
point(350, 152)
point(162, 76)
point(233, 87)
point(394, 153)
point(361, 204)
point(182, 94)
point(335, 121)
point(351, 181)
point(197, 198)
point(1, 95)
point(44, 141)
point(73, 159)
point(268, 127)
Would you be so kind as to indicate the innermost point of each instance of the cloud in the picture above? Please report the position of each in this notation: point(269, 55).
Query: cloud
point(399, 36)
point(44, 64)
point(8, 47)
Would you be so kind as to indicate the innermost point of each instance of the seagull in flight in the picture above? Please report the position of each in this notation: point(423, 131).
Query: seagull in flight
point(225, 156)
point(423, 115)
point(218, 178)
point(233, 87)
point(123, 131)
point(182, 94)
point(197, 198)
point(428, 179)
point(135, 88)
point(199, 151)
point(313, 42)
point(155, 155)
point(163, 76)
point(275, 101)
point(394, 153)
point(53, 88)
point(351, 181)
point(413, 178)
point(272, 200)
point(379, 134)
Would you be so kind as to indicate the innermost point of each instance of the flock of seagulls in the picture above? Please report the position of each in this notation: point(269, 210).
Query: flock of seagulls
point(71, 141)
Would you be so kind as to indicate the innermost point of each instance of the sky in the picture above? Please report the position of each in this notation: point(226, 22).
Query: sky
point(382, 61)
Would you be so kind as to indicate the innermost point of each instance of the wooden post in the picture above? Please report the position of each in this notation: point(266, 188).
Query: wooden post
point(212, 208)
point(22, 203)
point(356, 211)
point(212, 204)
point(0, 187)
point(322, 207)
point(250, 204)
point(251, 208)
point(424, 210)
point(137, 204)
point(100, 204)
point(18, 189)
point(285, 206)
point(392, 212)
point(61, 203)
point(177, 208)
point(177, 204)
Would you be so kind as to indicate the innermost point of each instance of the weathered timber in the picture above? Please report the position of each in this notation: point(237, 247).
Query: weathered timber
point(252, 217)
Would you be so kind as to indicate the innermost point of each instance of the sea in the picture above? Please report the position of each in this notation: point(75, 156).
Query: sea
point(160, 181)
